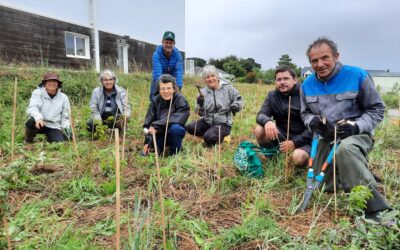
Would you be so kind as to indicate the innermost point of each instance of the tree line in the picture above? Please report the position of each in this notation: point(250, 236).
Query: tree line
point(247, 70)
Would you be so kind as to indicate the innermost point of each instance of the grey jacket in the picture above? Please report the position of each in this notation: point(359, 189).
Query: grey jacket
point(218, 104)
point(97, 102)
point(54, 112)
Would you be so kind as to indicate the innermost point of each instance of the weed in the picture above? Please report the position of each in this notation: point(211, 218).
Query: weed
point(358, 198)
point(81, 189)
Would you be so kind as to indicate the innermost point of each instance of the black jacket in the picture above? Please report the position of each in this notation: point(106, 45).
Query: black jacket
point(158, 112)
point(276, 107)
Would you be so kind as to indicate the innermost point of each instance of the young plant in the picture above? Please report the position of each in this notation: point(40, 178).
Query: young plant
point(358, 198)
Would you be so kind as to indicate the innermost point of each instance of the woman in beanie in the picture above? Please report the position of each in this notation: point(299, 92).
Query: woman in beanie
point(48, 111)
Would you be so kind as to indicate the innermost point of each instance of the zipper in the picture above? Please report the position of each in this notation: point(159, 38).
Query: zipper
point(215, 106)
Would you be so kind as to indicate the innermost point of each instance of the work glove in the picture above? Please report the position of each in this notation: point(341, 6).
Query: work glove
point(234, 109)
point(68, 133)
point(200, 100)
point(325, 130)
point(347, 129)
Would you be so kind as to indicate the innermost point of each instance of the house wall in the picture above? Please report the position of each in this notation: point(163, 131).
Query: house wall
point(386, 84)
point(36, 40)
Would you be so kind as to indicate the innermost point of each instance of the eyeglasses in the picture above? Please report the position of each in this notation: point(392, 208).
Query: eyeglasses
point(166, 88)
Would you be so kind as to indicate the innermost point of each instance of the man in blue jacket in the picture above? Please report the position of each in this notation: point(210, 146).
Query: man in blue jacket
point(344, 97)
point(166, 60)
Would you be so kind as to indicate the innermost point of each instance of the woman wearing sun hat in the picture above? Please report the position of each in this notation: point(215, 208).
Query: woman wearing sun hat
point(48, 111)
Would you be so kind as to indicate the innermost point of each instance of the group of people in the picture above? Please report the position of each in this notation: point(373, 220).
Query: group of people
point(336, 101)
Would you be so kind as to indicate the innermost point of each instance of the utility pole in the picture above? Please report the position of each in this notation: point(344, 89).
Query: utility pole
point(95, 31)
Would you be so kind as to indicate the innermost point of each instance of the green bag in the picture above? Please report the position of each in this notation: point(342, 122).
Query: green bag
point(246, 159)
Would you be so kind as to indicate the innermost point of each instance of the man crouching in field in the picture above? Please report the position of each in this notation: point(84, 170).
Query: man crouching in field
point(345, 97)
point(48, 111)
point(276, 106)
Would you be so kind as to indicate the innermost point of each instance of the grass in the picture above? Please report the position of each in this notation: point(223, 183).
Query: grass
point(52, 200)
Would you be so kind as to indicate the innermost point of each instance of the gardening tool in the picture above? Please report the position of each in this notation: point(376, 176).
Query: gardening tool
point(199, 89)
point(313, 182)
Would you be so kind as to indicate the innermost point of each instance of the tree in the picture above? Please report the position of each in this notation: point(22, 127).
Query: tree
point(251, 77)
point(219, 63)
point(234, 68)
point(198, 62)
point(285, 60)
point(249, 64)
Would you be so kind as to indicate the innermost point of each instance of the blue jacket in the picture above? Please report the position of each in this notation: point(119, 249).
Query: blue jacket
point(348, 93)
point(173, 66)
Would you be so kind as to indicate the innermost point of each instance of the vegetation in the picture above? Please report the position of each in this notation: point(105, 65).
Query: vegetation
point(248, 70)
point(53, 198)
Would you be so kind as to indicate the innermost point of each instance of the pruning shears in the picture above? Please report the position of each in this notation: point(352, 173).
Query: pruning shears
point(314, 181)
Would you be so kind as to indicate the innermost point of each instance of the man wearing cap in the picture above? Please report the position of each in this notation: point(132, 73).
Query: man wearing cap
point(48, 111)
point(167, 60)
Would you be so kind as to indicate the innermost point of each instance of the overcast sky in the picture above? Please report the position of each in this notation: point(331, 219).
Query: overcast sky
point(367, 32)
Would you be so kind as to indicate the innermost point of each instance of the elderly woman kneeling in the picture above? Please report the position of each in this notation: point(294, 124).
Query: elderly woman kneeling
point(171, 107)
point(217, 104)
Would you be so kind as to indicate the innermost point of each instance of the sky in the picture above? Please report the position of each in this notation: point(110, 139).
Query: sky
point(367, 32)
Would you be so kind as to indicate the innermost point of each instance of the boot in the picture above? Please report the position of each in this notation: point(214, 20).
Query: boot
point(30, 135)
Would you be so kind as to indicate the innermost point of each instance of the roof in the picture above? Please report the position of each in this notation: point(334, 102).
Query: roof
point(378, 73)
point(305, 69)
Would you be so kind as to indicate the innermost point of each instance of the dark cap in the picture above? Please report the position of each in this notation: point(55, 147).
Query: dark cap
point(169, 35)
point(50, 76)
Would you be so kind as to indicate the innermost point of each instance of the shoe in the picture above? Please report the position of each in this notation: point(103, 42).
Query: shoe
point(227, 139)
point(378, 218)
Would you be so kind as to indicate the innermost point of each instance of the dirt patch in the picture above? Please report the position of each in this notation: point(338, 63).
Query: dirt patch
point(185, 242)
point(90, 217)
point(299, 224)
point(44, 169)
point(17, 199)
point(219, 211)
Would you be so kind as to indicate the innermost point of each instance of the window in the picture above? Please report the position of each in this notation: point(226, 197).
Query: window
point(77, 45)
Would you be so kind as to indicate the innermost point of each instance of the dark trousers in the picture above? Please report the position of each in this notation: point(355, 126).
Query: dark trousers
point(210, 133)
point(175, 135)
point(52, 134)
point(352, 168)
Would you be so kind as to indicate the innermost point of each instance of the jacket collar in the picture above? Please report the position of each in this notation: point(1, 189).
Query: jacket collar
point(335, 71)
